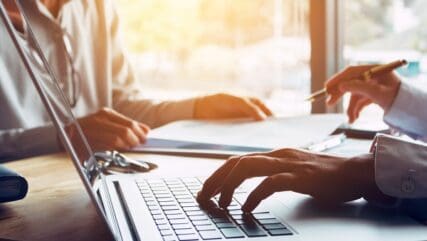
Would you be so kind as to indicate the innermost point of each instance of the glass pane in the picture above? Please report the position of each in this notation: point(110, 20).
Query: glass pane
point(387, 30)
point(256, 47)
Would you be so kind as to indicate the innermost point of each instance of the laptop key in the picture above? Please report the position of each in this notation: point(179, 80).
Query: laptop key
point(161, 191)
point(158, 216)
point(182, 196)
point(242, 217)
point(161, 222)
point(235, 212)
point(189, 205)
point(217, 213)
point(169, 208)
point(210, 235)
point(191, 208)
point(263, 216)
point(151, 203)
point(253, 230)
point(178, 221)
point(163, 227)
point(169, 238)
point(205, 227)
point(163, 195)
point(166, 232)
point(168, 204)
point(175, 216)
point(188, 237)
point(268, 221)
point(185, 200)
point(177, 186)
point(221, 220)
point(279, 232)
point(181, 226)
point(201, 222)
point(173, 212)
point(232, 233)
point(197, 218)
point(165, 199)
point(184, 231)
point(274, 226)
point(155, 212)
point(195, 213)
point(225, 225)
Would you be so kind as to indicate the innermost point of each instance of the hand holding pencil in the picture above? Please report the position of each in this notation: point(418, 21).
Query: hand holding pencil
point(367, 84)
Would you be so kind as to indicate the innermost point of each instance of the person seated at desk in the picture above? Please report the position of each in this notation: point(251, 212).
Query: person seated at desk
point(98, 80)
point(395, 170)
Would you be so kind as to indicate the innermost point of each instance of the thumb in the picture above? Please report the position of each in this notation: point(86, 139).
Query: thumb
point(370, 90)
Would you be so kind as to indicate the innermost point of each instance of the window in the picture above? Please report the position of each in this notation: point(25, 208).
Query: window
point(386, 30)
point(190, 47)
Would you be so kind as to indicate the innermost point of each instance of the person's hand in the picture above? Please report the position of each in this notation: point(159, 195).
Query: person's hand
point(223, 106)
point(381, 90)
point(108, 130)
point(328, 178)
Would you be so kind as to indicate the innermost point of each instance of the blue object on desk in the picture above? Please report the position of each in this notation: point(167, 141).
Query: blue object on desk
point(12, 186)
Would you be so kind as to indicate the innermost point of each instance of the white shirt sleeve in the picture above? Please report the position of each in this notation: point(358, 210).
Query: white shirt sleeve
point(408, 112)
point(400, 167)
point(20, 143)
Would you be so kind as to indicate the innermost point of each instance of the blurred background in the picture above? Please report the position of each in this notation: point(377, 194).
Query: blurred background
point(263, 47)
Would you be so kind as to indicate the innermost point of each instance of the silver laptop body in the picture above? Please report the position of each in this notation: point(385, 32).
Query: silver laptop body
point(147, 207)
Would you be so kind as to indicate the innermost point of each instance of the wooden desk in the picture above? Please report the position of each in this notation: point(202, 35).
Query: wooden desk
point(57, 206)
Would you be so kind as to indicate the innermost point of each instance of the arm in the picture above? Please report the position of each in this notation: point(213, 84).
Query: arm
point(407, 113)
point(21, 143)
point(400, 167)
point(126, 98)
point(401, 172)
point(380, 177)
point(401, 102)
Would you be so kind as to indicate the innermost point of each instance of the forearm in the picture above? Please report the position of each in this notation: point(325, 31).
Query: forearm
point(21, 143)
point(154, 113)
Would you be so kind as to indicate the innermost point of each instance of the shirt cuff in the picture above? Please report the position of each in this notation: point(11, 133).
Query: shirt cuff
point(405, 115)
point(400, 167)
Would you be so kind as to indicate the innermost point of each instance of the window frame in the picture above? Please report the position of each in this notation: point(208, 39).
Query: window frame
point(326, 37)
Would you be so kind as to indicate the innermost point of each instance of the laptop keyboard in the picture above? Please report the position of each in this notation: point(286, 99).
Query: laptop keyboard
point(179, 216)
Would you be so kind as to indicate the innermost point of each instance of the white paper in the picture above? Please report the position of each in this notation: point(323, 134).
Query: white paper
point(271, 133)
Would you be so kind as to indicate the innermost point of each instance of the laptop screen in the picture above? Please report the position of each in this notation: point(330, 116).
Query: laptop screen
point(57, 104)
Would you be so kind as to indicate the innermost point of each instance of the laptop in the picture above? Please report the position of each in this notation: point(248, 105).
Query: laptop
point(139, 207)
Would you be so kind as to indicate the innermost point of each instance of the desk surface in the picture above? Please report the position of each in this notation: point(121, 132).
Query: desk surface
point(57, 206)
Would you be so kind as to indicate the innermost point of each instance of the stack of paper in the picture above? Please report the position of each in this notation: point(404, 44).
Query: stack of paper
point(237, 134)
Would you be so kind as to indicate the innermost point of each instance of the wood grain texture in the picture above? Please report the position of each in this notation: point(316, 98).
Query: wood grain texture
point(56, 207)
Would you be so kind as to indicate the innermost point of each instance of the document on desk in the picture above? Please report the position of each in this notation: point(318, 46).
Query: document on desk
point(243, 135)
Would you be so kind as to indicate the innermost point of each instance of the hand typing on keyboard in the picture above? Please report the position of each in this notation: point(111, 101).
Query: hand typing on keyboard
point(325, 177)
point(178, 216)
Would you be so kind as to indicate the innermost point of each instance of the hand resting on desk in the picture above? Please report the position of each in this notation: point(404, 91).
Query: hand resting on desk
point(109, 130)
point(225, 106)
